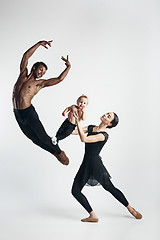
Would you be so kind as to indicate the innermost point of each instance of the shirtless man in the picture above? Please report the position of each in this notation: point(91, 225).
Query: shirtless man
point(26, 87)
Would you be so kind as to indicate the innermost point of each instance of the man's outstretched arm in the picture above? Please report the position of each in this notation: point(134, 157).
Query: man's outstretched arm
point(30, 51)
point(54, 81)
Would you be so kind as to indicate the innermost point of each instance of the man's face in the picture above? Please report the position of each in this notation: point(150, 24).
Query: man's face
point(107, 118)
point(82, 102)
point(40, 71)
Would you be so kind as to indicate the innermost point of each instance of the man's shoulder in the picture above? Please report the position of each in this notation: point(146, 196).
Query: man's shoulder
point(22, 77)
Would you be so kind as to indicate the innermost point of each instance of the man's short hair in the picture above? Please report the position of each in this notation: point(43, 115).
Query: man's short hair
point(37, 64)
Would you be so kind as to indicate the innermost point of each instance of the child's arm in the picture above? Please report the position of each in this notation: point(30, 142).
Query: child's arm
point(67, 110)
point(83, 116)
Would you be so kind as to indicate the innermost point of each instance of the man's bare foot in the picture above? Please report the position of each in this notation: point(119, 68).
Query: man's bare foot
point(62, 158)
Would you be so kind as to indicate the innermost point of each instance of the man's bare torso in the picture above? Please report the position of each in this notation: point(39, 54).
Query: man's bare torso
point(24, 90)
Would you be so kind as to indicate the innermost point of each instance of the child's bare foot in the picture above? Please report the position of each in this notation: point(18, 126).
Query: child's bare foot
point(54, 140)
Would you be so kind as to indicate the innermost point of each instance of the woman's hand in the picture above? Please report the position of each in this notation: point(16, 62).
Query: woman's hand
point(76, 115)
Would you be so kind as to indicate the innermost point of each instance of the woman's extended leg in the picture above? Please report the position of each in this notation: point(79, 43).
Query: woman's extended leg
point(108, 186)
point(120, 197)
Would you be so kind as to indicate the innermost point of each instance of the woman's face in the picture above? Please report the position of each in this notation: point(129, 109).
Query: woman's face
point(107, 118)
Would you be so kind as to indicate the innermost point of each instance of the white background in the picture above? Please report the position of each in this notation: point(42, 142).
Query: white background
point(113, 47)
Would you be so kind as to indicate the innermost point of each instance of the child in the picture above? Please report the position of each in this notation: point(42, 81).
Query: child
point(69, 124)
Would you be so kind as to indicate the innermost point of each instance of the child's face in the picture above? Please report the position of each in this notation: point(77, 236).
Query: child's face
point(82, 103)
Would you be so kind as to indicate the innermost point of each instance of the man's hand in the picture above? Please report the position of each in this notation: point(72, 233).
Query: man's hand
point(46, 43)
point(30, 51)
point(67, 63)
point(54, 81)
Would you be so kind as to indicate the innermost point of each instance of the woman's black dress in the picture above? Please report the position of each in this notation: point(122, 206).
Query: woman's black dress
point(92, 171)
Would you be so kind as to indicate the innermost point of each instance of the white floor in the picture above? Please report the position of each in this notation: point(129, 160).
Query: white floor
point(58, 223)
point(115, 61)
point(36, 203)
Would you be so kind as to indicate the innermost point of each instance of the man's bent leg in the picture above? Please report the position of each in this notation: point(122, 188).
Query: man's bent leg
point(32, 136)
point(57, 152)
point(35, 124)
point(31, 126)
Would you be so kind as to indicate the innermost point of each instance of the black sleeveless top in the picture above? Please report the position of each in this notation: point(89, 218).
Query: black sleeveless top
point(94, 148)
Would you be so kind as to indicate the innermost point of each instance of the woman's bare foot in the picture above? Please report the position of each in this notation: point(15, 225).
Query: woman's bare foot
point(136, 214)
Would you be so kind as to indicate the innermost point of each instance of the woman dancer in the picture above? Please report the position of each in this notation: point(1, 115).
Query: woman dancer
point(92, 170)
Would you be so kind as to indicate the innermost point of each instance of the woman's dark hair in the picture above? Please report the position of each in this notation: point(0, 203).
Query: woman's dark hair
point(37, 64)
point(114, 121)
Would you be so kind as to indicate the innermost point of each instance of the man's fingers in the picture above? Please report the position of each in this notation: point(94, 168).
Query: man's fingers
point(45, 43)
point(45, 46)
point(49, 42)
point(64, 59)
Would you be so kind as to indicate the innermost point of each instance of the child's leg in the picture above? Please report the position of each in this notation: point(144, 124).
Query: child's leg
point(65, 130)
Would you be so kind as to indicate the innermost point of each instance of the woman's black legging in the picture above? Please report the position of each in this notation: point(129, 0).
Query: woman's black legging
point(108, 186)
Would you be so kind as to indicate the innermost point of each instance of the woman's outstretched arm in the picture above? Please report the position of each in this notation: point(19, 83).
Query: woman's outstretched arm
point(88, 139)
point(84, 129)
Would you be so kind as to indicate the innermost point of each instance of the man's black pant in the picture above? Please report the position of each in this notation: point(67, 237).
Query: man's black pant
point(32, 127)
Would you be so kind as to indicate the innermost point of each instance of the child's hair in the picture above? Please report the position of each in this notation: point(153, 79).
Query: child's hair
point(81, 97)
